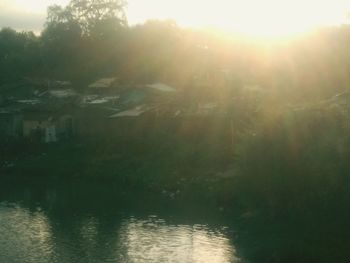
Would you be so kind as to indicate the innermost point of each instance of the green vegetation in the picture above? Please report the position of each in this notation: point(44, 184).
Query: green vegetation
point(86, 41)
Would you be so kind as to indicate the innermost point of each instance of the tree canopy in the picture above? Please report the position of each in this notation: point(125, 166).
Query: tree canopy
point(93, 17)
point(89, 39)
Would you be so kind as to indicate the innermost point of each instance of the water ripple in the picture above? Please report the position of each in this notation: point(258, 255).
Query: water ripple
point(38, 237)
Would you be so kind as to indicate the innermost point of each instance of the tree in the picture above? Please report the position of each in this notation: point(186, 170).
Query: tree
point(80, 39)
point(60, 39)
point(94, 17)
point(19, 54)
point(98, 16)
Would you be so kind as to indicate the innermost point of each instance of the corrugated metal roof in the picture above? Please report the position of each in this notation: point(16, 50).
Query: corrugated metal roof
point(132, 112)
point(62, 93)
point(161, 87)
point(103, 83)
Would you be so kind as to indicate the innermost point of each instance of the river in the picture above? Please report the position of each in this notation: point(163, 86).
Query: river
point(47, 221)
point(57, 220)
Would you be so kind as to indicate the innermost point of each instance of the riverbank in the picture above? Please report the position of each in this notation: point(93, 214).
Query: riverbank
point(171, 169)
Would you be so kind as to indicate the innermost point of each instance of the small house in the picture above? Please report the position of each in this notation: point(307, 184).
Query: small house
point(48, 126)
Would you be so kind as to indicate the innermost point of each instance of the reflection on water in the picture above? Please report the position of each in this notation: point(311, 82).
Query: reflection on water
point(96, 221)
point(25, 237)
point(153, 240)
point(36, 236)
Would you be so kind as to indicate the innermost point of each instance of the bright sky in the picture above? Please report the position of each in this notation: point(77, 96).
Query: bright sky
point(252, 17)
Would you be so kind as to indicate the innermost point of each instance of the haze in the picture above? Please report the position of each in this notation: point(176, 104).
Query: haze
point(251, 17)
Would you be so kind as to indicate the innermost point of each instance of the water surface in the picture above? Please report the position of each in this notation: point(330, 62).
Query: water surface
point(76, 222)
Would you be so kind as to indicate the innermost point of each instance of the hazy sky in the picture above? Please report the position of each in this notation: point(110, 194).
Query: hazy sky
point(250, 16)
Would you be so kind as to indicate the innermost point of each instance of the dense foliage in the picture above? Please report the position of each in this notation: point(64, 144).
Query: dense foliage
point(90, 39)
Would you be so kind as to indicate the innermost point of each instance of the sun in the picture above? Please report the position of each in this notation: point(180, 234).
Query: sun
point(260, 18)
point(278, 18)
point(272, 18)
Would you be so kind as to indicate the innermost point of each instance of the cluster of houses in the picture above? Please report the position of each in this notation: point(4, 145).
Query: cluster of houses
point(42, 111)
point(50, 111)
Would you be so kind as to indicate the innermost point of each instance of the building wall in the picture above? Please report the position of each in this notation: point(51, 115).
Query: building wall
point(10, 125)
point(66, 126)
point(29, 126)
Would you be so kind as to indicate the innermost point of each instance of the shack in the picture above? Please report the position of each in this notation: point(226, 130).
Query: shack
point(48, 125)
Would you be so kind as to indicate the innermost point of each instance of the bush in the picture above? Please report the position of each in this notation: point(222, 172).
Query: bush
point(296, 163)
